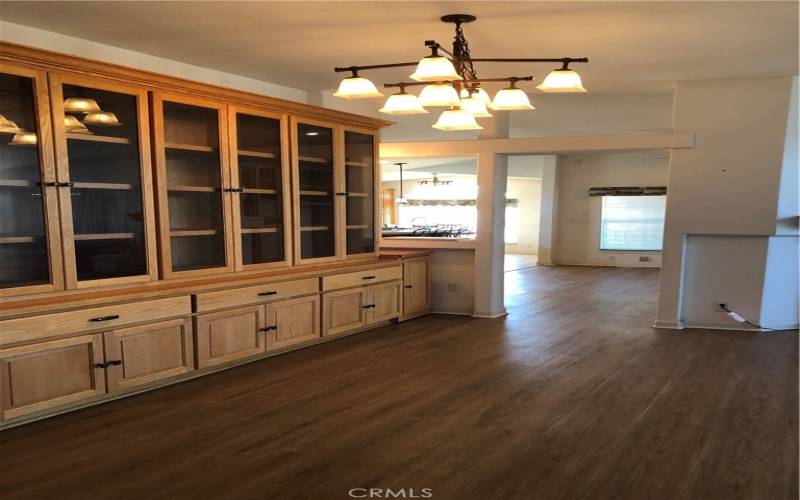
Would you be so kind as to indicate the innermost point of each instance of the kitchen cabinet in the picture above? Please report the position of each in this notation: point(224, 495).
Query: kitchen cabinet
point(293, 321)
point(416, 287)
point(360, 186)
point(383, 302)
point(149, 353)
point(226, 336)
point(42, 376)
point(344, 311)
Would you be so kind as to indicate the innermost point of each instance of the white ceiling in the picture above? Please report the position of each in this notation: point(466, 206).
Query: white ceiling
point(633, 46)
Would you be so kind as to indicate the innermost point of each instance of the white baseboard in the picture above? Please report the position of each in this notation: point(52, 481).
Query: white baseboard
point(452, 313)
point(490, 314)
point(668, 325)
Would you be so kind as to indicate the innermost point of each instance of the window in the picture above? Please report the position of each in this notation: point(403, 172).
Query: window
point(632, 222)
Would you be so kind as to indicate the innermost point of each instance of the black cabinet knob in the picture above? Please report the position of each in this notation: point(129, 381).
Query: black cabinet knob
point(105, 318)
point(264, 294)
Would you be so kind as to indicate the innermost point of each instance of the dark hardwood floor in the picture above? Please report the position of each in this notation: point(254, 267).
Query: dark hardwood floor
point(572, 396)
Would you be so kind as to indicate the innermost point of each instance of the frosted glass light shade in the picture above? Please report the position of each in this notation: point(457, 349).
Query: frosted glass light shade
point(80, 105)
point(456, 119)
point(562, 80)
point(403, 104)
point(438, 94)
point(74, 126)
point(479, 93)
point(356, 87)
point(24, 138)
point(511, 99)
point(102, 118)
point(435, 69)
point(475, 106)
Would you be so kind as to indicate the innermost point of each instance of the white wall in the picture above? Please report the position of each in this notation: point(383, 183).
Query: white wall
point(726, 187)
point(528, 193)
point(48, 40)
point(779, 305)
point(578, 214)
point(453, 281)
point(593, 114)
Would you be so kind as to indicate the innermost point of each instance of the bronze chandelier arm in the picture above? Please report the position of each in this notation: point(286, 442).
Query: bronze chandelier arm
point(475, 80)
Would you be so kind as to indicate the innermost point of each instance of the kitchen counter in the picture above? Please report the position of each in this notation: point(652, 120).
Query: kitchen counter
point(428, 242)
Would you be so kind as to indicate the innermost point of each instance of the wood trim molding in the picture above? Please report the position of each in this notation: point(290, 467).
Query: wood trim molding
point(53, 61)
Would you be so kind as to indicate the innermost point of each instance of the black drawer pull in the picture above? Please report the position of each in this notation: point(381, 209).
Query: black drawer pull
point(269, 328)
point(368, 306)
point(115, 362)
point(264, 294)
point(368, 277)
point(105, 318)
point(408, 286)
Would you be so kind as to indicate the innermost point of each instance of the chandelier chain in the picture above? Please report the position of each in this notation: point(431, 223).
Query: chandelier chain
point(461, 49)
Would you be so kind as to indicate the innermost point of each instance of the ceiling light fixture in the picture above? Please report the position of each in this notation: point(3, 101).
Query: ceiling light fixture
point(434, 182)
point(562, 80)
point(403, 103)
point(456, 119)
point(511, 99)
point(439, 94)
point(456, 70)
point(476, 106)
point(356, 87)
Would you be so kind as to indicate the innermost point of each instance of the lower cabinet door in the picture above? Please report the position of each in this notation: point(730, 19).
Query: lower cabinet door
point(229, 335)
point(143, 354)
point(50, 374)
point(344, 311)
point(416, 286)
point(291, 322)
point(383, 302)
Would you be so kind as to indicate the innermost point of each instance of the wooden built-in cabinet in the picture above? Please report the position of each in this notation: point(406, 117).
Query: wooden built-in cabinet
point(142, 354)
point(30, 239)
point(191, 153)
point(102, 143)
point(354, 309)
point(38, 377)
point(416, 287)
point(154, 229)
point(229, 335)
point(291, 322)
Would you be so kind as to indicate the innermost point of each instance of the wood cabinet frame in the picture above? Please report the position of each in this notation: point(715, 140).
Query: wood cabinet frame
point(145, 178)
point(338, 203)
point(159, 153)
point(376, 183)
point(47, 173)
point(286, 190)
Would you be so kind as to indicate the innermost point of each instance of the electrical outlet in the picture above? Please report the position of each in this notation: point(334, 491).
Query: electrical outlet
point(452, 287)
point(612, 258)
point(644, 258)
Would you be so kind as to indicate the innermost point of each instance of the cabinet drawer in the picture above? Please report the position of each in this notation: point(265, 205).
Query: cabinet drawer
point(244, 296)
point(107, 317)
point(359, 278)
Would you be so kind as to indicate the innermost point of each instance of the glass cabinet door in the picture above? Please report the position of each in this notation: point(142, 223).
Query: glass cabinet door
point(102, 140)
point(359, 179)
point(315, 191)
point(30, 257)
point(192, 170)
point(258, 180)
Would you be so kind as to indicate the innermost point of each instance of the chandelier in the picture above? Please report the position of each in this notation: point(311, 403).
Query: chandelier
point(451, 81)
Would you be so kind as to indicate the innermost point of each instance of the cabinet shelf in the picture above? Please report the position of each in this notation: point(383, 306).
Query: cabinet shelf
point(193, 189)
point(17, 239)
point(190, 147)
point(258, 230)
point(358, 226)
point(103, 236)
point(314, 228)
point(357, 195)
point(314, 193)
point(259, 191)
point(256, 154)
point(192, 232)
point(99, 138)
point(102, 185)
point(350, 163)
point(314, 159)
point(15, 183)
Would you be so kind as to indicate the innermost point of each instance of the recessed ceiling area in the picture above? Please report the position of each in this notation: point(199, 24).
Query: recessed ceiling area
point(632, 46)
